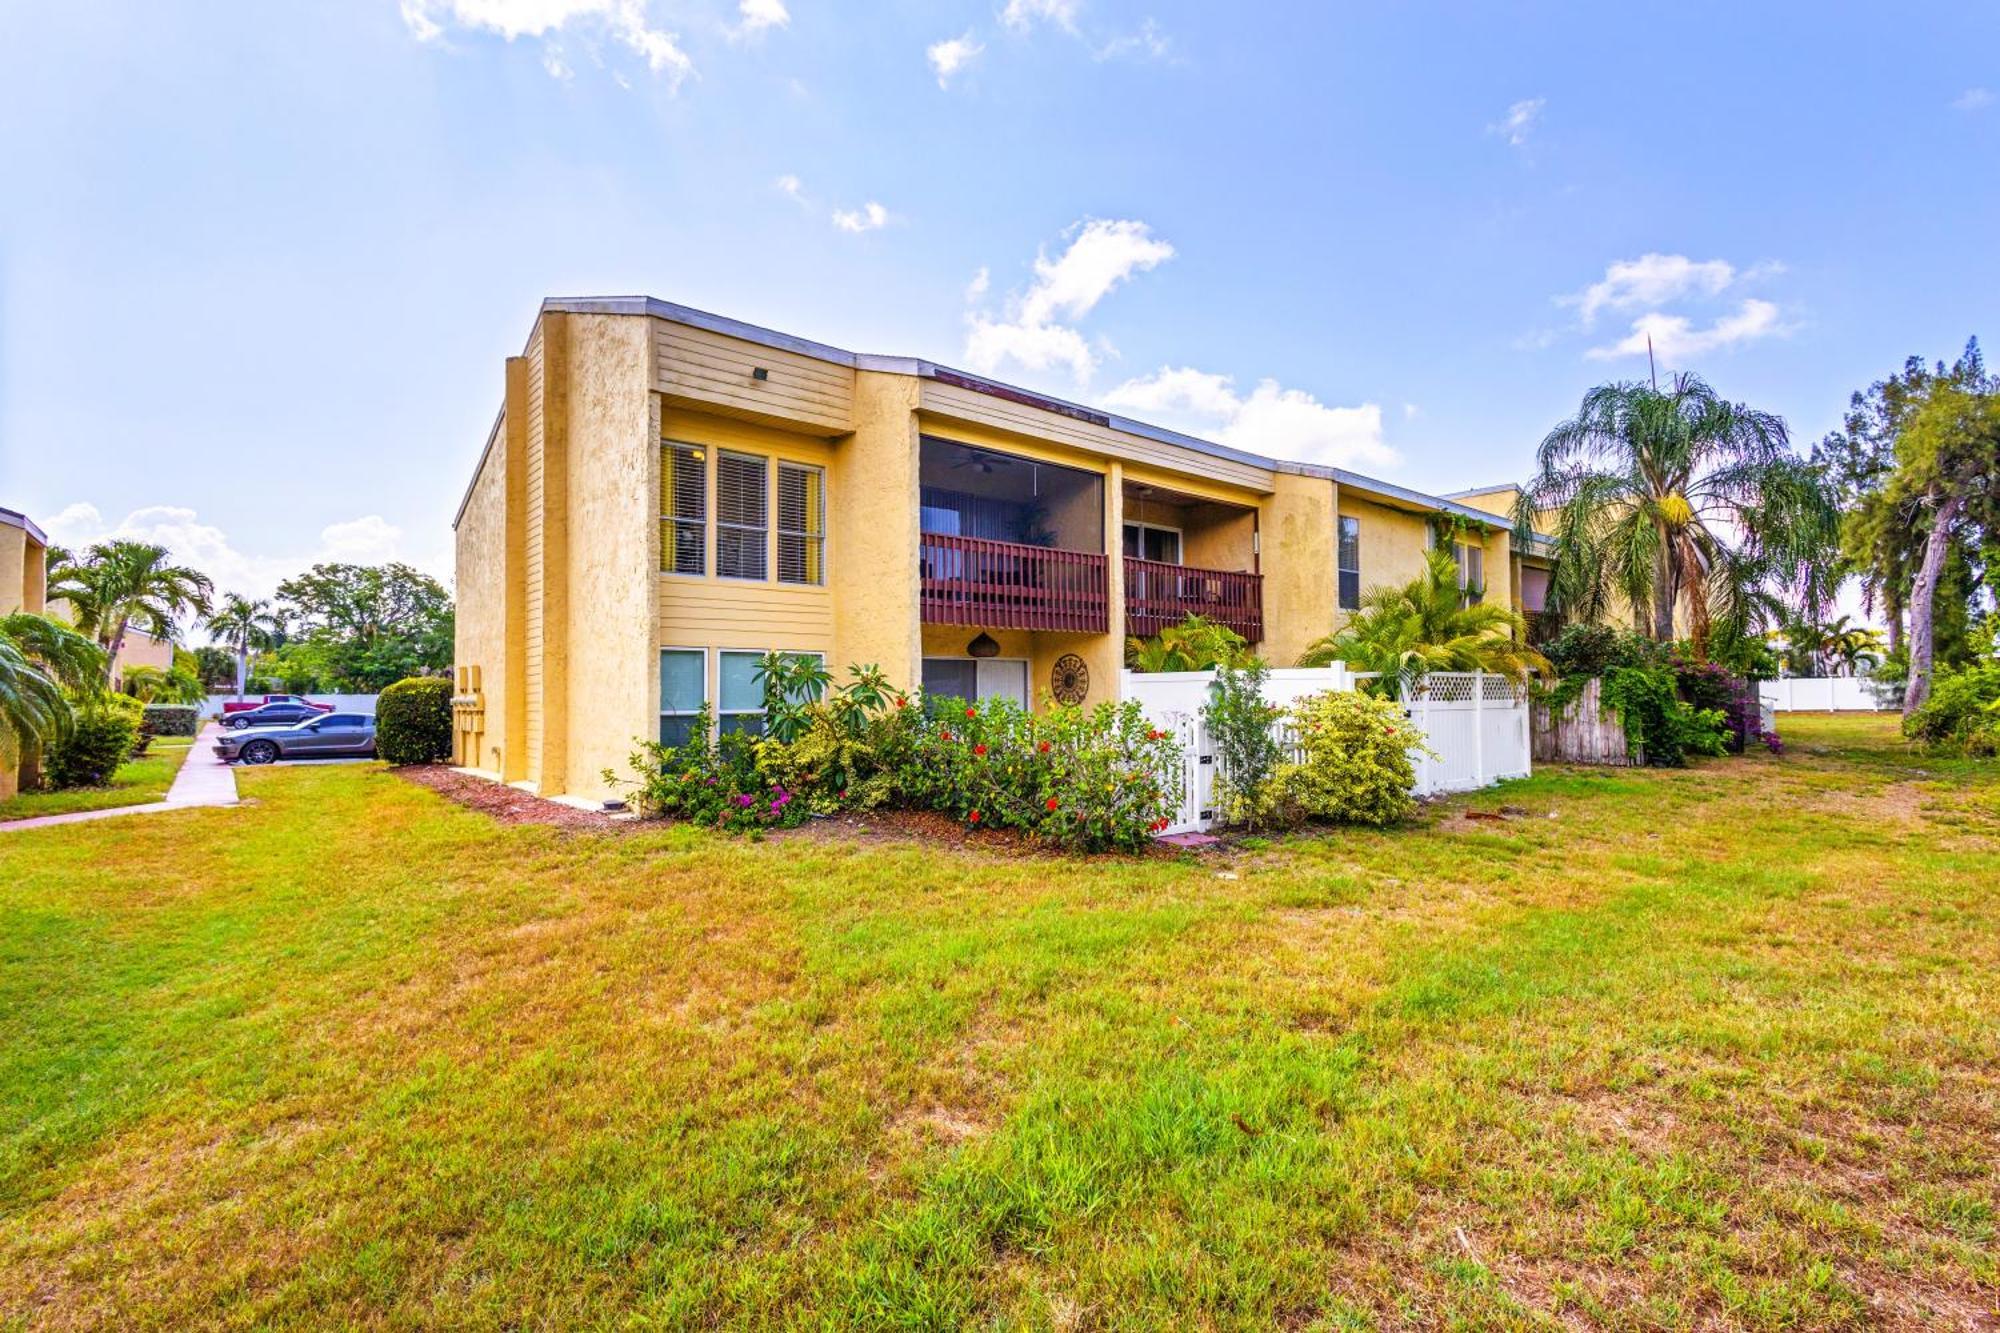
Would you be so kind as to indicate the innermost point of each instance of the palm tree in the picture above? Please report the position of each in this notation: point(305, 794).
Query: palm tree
point(1404, 632)
point(119, 584)
point(40, 658)
point(1677, 499)
point(245, 623)
point(1196, 644)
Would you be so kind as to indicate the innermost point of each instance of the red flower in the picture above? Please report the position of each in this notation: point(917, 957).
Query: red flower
point(945, 734)
point(972, 712)
point(972, 818)
point(979, 750)
point(1043, 747)
point(1052, 802)
point(901, 702)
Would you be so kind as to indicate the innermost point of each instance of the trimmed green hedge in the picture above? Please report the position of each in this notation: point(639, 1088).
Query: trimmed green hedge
point(104, 737)
point(171, 720)
point(413, 721)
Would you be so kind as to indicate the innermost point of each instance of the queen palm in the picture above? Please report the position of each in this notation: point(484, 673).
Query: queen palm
point(1676, 499)
point(40, 660)
point(244, 624)
point(119, 584)
point(1406, 631)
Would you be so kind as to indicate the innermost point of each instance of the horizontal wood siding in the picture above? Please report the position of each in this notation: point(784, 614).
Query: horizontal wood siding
point(715, 372)
point(699, 613)
point(960, 404)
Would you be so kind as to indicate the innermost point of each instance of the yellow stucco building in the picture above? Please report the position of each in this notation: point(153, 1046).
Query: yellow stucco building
point(23, 587)
point(666, 494)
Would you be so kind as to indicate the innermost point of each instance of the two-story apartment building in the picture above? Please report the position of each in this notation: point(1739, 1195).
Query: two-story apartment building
point(666, 494)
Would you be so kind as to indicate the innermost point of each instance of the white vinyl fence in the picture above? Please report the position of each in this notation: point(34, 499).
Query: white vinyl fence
point(342, 703)
point(1477, 724)
point(1827, 694)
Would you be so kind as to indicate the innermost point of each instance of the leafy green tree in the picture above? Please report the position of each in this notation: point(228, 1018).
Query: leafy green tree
point(1947, 472)
point(42, 661)
point(214, 667)
point(1676, 498)
point(117, 585)
point(1406, 631)
point(245, 625)
point(364, 626)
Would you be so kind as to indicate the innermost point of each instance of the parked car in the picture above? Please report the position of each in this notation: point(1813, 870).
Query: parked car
point(245, 705)
point(275, 715)
point(324, 736)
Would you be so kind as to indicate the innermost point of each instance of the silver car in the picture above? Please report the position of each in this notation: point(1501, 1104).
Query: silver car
point(327, 736)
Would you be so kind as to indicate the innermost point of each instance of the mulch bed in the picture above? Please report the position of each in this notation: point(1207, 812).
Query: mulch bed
point(507, 805)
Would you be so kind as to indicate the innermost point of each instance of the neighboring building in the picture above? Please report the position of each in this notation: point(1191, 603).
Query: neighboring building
point(1531, 562)
point(23, 587)
point(666, 494)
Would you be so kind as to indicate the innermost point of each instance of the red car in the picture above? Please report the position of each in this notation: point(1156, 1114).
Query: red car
point(240, 705)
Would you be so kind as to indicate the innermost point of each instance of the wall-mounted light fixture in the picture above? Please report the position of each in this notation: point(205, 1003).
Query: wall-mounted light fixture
point(983, 646)
point(760, 373)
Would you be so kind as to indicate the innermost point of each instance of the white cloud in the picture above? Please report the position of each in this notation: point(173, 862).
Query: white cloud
point(1037, 331)
point(1021, 15)
point(975, 291)
point(369, 540)
point(622, 21)
point(1973, 99)
point(793, 189)
point(553, 62)
point(1675, 338)
point(758, 15)
point(1273, 420)
point(950, 56)
point(1148, 43)
point(871, 216)
point(1519, 121)
point(1651, 280)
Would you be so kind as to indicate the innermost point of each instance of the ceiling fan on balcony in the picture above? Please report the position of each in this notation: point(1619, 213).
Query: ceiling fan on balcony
point(983, 460)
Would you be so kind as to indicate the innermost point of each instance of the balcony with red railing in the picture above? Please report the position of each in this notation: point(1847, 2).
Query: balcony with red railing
point(1010, 585)
point(1159, 595)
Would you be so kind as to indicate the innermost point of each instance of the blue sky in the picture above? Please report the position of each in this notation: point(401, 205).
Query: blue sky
point(260, 263)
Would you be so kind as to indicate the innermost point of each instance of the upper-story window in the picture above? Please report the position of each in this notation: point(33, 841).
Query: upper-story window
point(801, 524)
point(683, 508)
point(1349, 563)
point(1471, 559)
point(742, 516)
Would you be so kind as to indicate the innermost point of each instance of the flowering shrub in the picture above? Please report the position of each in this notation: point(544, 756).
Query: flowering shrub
point(1085, 779)
point(1708, 685)
point(1354, 765)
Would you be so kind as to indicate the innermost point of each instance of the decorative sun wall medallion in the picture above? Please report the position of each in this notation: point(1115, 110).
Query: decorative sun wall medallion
point(1069, 682)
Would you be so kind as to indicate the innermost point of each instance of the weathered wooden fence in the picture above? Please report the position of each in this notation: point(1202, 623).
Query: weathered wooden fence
point(1582, 731)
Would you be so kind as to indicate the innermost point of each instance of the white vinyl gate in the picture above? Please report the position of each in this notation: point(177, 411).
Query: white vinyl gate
point(1477, 723)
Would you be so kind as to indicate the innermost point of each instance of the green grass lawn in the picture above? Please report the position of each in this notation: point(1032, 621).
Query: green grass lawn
point(136, 782)
point(1711, 1048)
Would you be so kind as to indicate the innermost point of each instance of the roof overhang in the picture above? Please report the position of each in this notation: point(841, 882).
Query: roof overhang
point(13, 518)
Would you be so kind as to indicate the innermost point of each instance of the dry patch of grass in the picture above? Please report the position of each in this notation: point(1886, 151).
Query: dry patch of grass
point(1713, 1048)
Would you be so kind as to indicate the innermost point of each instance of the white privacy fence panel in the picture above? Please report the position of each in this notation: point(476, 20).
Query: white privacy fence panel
point(1826, 694)
point(1477, 724)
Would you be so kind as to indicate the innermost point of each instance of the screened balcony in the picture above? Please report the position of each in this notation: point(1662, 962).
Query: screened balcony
point(1010, 542)
point(1187, 556)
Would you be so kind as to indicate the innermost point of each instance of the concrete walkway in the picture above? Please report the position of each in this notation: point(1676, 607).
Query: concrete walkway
point(203, 780)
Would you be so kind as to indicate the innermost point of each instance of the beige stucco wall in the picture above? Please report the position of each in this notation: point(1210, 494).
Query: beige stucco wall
point(872, 516)
point(1300, 591)
point(23, 572)
point(480, 640)
point(610, 670)
point(1393, 541)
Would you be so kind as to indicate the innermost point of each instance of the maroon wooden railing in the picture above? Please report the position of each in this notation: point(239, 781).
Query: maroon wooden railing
point(1159, 595)
point(1005, 585)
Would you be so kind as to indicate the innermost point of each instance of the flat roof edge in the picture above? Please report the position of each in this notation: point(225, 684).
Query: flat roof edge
point(14, 518)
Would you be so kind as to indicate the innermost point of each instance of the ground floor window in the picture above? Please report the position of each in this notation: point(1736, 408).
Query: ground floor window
point(740, 690)
point(974, 680)
point(683, 690)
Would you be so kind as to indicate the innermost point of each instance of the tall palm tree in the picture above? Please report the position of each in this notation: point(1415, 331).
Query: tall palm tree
point(245, 624)
point(40, 659)
point(1405, 632)
point(1677, 499)
point(119, 584)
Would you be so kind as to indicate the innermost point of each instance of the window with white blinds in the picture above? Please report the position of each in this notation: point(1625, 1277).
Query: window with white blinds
point(742, 516)
point(683, 508)
point(801, 524)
